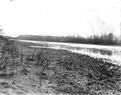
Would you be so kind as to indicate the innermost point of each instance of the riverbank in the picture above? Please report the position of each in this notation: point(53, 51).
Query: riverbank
point(45, 71)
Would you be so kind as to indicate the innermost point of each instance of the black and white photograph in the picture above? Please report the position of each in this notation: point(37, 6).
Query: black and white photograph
point(60, 47)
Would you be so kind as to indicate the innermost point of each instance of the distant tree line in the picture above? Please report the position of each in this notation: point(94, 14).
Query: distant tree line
point(104, 39)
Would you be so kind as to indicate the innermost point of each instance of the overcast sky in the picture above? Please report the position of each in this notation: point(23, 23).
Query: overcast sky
point(60, 17)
